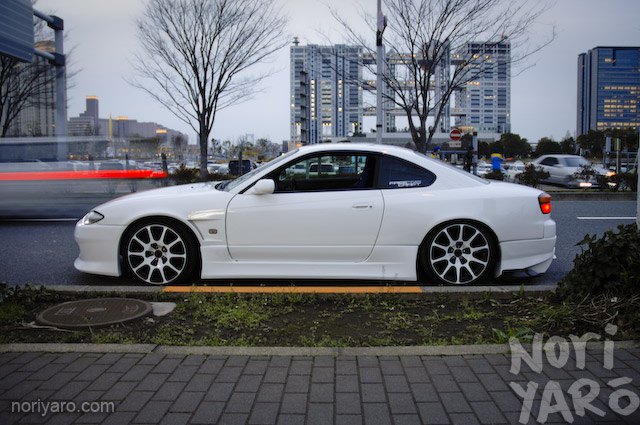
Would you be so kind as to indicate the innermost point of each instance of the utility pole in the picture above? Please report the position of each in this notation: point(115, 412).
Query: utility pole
point(382, 24)
point(638, 186)
point(474, 144)
point(58, 60)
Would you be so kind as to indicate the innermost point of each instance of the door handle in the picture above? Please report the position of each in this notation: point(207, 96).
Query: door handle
point(362, 206)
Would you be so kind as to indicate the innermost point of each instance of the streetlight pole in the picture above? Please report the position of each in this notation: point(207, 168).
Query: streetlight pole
point(382, 23)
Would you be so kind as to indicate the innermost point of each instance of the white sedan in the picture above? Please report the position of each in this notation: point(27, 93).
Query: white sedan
point(388, 214)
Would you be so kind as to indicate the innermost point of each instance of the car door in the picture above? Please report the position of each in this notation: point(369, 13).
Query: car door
point(550, 164)
point(324, 209)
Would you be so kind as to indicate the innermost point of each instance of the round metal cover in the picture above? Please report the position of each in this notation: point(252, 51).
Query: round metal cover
point(93, 312)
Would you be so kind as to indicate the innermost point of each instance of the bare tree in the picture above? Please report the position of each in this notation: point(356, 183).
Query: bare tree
point(193, 52)
point(427, 37)
point(24, 85)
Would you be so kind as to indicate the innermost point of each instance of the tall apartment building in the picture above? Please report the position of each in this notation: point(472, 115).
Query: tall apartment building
point(38, 116)
point(608, 89)
point(484, 104)
point(326, 100)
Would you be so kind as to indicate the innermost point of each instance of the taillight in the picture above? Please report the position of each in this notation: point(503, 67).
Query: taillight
point(545, 203)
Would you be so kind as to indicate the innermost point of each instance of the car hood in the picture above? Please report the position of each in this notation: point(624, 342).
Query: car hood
point(175, 201)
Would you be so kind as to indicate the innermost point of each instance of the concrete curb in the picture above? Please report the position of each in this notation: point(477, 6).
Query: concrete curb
point(437, 350)
point(592, 196)
point(87, 289)
point(77, 348)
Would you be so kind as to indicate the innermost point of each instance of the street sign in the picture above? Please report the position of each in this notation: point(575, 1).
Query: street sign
point(455, 135)
point(16, 29)
point(455, 144)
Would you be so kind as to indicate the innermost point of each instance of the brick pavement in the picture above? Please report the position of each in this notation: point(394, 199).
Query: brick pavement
point(204, 389)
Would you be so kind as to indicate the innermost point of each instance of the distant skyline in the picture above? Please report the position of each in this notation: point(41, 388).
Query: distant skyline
point(543, 96)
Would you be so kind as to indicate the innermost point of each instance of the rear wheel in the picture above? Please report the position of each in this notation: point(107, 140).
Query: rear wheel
point(159, 252)
point(458, 253)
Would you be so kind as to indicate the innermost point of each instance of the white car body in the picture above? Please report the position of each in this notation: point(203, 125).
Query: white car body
point(515, 169)
point(335, 234)
point(562, 169)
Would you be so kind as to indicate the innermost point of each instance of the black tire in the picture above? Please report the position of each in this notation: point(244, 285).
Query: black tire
point(458, 253)
point(159, 252)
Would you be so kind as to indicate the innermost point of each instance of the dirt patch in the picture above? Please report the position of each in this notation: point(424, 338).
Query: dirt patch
point(340, 320)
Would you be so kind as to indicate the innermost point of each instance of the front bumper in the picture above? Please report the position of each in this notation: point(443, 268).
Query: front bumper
point(98, 248)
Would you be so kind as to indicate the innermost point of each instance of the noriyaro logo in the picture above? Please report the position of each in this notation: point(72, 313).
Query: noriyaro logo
point(580, 393)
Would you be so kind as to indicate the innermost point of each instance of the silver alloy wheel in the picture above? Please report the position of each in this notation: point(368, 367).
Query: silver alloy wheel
point(459, 253)
point(157, 254)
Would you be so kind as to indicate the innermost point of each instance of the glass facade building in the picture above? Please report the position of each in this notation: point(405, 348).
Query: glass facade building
point(485, 101)
point(326, 100)
point(608, 89)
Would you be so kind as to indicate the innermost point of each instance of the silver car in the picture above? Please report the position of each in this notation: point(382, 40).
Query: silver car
point(562, 170)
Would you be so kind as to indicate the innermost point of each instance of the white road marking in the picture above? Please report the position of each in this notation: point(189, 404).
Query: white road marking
point(606, 218)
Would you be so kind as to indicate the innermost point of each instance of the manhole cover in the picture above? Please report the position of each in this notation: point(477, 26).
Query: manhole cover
point(93, 312)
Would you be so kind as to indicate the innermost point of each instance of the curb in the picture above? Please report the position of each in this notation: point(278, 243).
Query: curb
point(443, 350)
point(504, 289)
point(592, 196)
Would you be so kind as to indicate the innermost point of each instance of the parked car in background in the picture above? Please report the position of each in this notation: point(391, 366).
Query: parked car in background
point(214, 168)
point(247, 165)
point(513, 170)
point(564, 170)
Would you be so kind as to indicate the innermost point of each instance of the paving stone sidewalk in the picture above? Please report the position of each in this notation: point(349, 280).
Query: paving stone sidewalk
point(201, 389)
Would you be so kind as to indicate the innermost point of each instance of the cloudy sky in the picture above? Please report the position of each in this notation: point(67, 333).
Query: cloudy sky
point(543, 97)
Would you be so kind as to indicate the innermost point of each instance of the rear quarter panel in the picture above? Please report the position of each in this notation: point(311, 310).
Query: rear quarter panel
point(511, 211)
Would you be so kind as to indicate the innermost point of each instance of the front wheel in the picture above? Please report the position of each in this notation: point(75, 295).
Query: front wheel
point(458, 253)
point(159, 252)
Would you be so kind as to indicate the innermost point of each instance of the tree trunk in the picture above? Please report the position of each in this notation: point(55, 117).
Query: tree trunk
point(204, 136)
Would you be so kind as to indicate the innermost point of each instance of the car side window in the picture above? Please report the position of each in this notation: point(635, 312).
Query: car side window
point(327, 172)
point(399, 174)
point(551, 161)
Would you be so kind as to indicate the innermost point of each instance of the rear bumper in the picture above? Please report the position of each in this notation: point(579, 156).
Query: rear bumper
point(98, 249)
point(533, 256)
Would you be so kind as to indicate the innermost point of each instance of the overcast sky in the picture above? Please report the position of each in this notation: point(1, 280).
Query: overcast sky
point(543, 97)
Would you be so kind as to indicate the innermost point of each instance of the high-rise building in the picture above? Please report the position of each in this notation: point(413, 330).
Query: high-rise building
point(484, 104)
point(38, 116)
point(326, 98)
point(608, 89)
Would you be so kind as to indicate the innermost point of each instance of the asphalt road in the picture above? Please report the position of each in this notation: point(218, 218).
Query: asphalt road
point(43, 252)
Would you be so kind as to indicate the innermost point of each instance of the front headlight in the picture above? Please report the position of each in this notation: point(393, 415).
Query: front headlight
point(92, 217)
point(610, 173)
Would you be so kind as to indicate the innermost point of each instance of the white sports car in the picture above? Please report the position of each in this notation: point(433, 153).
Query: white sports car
point(380, 213)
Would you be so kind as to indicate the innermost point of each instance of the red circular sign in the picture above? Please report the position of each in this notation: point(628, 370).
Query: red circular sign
point(455, 134)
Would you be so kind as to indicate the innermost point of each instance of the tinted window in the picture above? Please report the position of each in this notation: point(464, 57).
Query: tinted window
point(327, 172)
point(576, 162)
point(398, 174)
point(549, 161)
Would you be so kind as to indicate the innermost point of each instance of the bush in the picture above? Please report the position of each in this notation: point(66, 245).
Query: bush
point(586, 173)
point(184, 175)
point(609, 265)
point(532, 175)
point(494, 175)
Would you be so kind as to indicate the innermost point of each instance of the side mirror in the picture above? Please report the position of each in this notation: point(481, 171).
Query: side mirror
point(263, 187)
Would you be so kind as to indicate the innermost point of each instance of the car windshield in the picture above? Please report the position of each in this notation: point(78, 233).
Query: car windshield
point(231, 184)
point(576, 162)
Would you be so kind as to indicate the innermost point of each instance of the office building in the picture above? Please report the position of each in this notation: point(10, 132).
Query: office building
point(608, 89)
point(326, 100)
point(38, 116)
point(88, 122)
point(484, 103)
